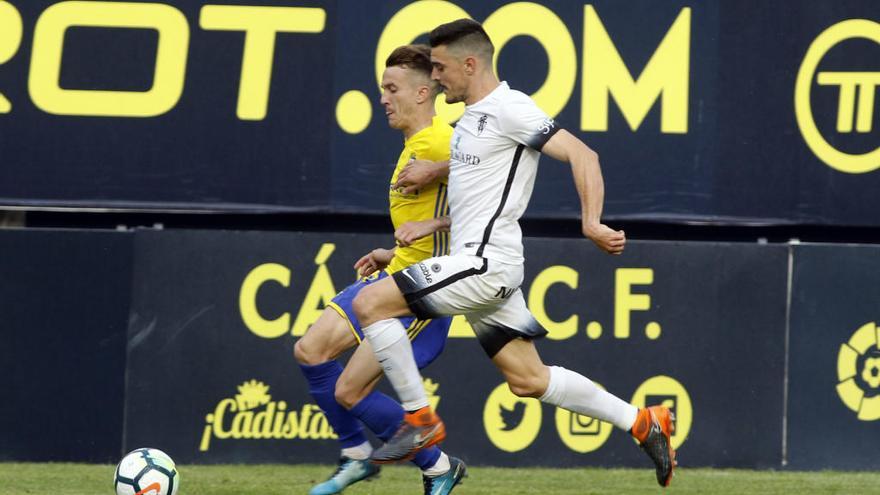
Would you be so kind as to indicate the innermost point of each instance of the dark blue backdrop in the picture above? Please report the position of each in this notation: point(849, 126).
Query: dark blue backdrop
point(743, 158)
point(159, 328)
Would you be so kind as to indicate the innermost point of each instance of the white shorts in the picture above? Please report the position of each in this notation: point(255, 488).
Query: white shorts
point(487, 292)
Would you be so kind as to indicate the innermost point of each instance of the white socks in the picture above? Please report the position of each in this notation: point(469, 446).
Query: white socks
point(394, 352)
point(440, 467)
point(358, 452)
point(575, 392)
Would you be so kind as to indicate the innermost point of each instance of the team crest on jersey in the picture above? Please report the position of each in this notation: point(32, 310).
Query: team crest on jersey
point(481, 124)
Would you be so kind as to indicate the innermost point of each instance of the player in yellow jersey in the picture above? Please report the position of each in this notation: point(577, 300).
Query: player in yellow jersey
point(421, 231)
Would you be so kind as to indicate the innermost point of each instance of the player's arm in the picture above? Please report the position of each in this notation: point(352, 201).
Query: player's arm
point(410, 232)
point(373, 261)
point(418, 174)
point(590, 187)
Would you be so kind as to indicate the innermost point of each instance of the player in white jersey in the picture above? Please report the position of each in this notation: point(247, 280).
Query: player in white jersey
point(494, 157)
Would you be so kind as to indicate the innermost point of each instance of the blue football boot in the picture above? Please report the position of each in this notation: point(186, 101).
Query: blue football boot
point(349, 472)
point(443, 484)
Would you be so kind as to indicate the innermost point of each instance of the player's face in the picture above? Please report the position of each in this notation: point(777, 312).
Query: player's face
point(449, 72)
point(399, 97)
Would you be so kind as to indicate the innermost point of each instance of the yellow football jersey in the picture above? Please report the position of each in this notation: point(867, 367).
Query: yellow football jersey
point(430, 143)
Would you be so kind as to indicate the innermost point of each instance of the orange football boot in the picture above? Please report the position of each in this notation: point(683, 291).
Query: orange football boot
point(653, 428)
point(418, 430)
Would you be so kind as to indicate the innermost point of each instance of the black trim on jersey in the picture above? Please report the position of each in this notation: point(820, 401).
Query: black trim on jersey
point(444, 236)
point(547, 130)
point(415, 296)
point(507, 186)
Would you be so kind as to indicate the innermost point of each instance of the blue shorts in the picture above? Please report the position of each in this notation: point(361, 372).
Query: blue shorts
point(428, 336)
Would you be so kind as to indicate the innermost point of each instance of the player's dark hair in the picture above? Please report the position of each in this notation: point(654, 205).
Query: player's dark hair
point(465, 33)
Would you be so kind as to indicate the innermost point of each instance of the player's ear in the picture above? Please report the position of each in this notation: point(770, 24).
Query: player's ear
point(470, 65)
point(423, 94)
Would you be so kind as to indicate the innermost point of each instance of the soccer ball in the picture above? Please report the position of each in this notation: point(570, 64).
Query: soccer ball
point(146, 472)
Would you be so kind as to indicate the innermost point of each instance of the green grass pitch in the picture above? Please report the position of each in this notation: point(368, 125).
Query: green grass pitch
point(85, 479)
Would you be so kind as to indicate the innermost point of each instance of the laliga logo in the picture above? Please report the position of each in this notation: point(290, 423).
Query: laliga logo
point(856, 96)
point(858, 372)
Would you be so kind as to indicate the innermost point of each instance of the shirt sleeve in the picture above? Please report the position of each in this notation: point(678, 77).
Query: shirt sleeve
point(521, 120)
point(439, 147)
point(433, 146)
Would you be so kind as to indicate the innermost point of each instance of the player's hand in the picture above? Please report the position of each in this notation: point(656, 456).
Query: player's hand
point(373, 261)
point(416, 175)
point(410, 232)
point(609, 240)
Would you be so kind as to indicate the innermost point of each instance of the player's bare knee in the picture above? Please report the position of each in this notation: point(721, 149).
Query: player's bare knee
point(306, 352)
point(525, 386)
point(346, 395)
point(364, 306)
point(301, 353)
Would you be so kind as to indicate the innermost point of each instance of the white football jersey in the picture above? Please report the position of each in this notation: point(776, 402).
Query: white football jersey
point(492, 169)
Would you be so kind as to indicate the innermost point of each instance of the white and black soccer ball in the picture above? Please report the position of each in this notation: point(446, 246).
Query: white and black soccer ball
point(146, 472)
